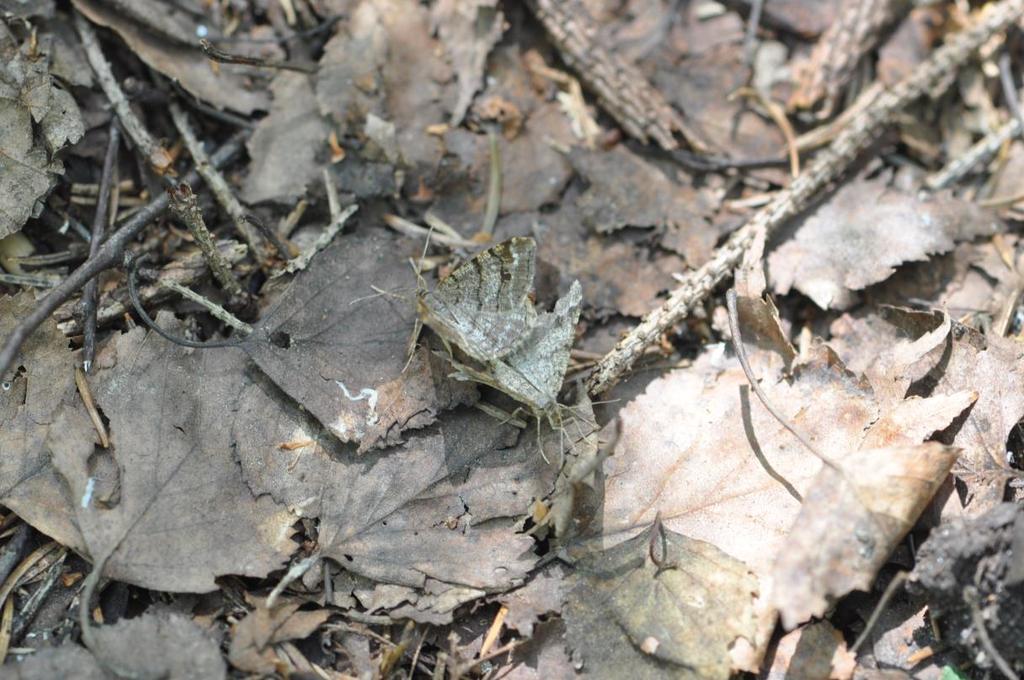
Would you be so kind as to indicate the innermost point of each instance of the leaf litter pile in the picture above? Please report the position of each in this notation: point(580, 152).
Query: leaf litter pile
point(484, 339)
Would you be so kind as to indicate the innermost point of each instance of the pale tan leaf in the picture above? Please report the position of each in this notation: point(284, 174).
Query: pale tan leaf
point(850, 521)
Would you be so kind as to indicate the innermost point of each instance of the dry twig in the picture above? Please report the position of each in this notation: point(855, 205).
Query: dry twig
point(826, 167)
point(834, 60)
point(156, 155)
point(109, 255)
point(99, 223)
point(621, 88)
point(185, 207)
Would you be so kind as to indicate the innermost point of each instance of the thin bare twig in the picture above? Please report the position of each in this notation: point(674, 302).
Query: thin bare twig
point(35, 601)
point(493, 184)
point(1010, 89)
point(156, 155)
point(133, 294)
point(185, 207)
point(741, 354)
point(839, 50)
point(988, 145)
point(189, 270)
point(826, 167)
point(215, 181)
point(27, 280)
point(890, 590)
point(215, 310)
point(750, 35)
point(109, 255)
point(90, 297)
point(90, 406)
point(214, 54)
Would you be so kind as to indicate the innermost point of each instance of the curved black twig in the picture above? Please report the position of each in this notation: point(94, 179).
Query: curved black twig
point(133, 293)
point(107, 257)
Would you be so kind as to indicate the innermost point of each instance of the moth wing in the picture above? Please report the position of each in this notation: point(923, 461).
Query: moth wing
point(534, 372)
point(484, 305)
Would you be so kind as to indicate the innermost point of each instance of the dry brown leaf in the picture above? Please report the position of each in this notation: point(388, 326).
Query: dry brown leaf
point(990, 365)
point(617, 277)
point(288, 146)
point(543, 656)
point(542, 595)
point(66, 661)
point(861, 234)
point(702, 84)
point(182, 62)
point(179, 513)
point(721, 468)
point(973, 282)
point(32, 396)
point(469, 31)
point(813, 652)
point(253, 637)
point(37, 120)
point(533, 173)
point(699, 449)
point(166, 645)
point(336, 342)
point(806, 18)
point(850, 521)
point(627, 191)
point(159, 646)
point(440, 515)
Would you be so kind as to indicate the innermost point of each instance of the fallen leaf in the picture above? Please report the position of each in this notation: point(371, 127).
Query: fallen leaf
point(67, 661)
point(723, 470)
point(440, 515)
point(159, 646)
point(253, 637)
point(338, 346)
point(37, 120)
point(697, 607)
point(183, 514)
point(178, 58)
point(164, 645)
point(812, 652)
point(543, 656)
point(973, 282)
point(288, 146)
point(34, 394)
point(626, 191)
point(861, 234)
point(850, 521)
point(529, 604)
point(469, 31)
point(533, 173)
point(806, 18)
point(617, 277)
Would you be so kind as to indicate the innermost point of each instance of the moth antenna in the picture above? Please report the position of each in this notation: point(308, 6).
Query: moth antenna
point(419, 265)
